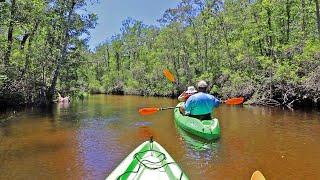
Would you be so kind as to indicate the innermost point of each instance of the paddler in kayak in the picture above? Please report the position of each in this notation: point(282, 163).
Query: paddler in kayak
point(186, 94)
point(201, 104)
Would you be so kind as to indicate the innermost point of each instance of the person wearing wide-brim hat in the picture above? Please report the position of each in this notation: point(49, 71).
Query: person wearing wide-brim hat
point(201, 104)
point(186, 94)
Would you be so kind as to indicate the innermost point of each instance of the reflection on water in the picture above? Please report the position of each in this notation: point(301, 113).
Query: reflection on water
point(196, 143)
point(94, 148)
point(87, 140)
point(63, 105)
point(143, 123)
point(144, 132)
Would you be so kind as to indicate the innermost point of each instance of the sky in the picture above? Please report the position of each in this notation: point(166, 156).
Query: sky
point(111, 13)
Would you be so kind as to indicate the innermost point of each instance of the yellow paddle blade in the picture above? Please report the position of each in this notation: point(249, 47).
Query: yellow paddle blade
point(257, 175)
point(168, 75)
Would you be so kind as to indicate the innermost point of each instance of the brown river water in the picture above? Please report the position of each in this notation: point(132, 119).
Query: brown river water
point(87, 140)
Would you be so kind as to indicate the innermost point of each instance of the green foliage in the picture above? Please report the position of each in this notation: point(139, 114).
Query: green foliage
point(286, 72)
point(264, 48)
point(239, 47)
point(36, 52)
point(3, 78)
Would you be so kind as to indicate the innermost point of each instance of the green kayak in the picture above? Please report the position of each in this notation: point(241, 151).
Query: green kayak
point(148, 161)
point(207, 129)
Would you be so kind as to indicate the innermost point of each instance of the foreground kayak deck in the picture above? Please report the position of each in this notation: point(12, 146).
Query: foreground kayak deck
point(148, 161)
point(207, 129)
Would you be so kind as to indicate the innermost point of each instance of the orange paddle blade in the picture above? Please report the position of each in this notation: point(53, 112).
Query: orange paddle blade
point(147, 111)
point(169, 75)
point(235, 101)
point(257, 175)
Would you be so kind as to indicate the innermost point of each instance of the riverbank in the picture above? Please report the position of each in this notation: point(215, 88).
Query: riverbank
point(287, 95)
point(255, 99)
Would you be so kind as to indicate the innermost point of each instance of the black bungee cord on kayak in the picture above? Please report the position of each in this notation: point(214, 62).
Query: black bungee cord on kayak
point(149, 164)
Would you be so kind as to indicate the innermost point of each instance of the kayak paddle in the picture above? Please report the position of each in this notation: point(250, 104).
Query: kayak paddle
point(169, 75)
point(151, 110)
point(231, 101)
point(257, 175)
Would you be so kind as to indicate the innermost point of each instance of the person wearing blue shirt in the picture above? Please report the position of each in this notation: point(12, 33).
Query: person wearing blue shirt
point(201, 104)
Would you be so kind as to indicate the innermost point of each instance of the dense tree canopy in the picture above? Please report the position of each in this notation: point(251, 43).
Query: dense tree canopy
point(41, 44)
point(265, 50)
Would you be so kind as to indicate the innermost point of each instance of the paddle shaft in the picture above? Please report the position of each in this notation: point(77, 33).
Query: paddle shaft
point(165, 108)
point(151, 110)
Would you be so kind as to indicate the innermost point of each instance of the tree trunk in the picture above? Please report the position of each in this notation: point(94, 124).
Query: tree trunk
point(206, 52)
point(29, 53)
point(318, 16)
point(255, 16)
point(108, 57)
point(269, 37)
point(10, 33)
point(303, 25)
point(63, 54)
point(288, 4)
point(175, 67)
point(225, 36)
point(24, 40)
point(186, 65)
point(118, 62)
point(196, 42)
